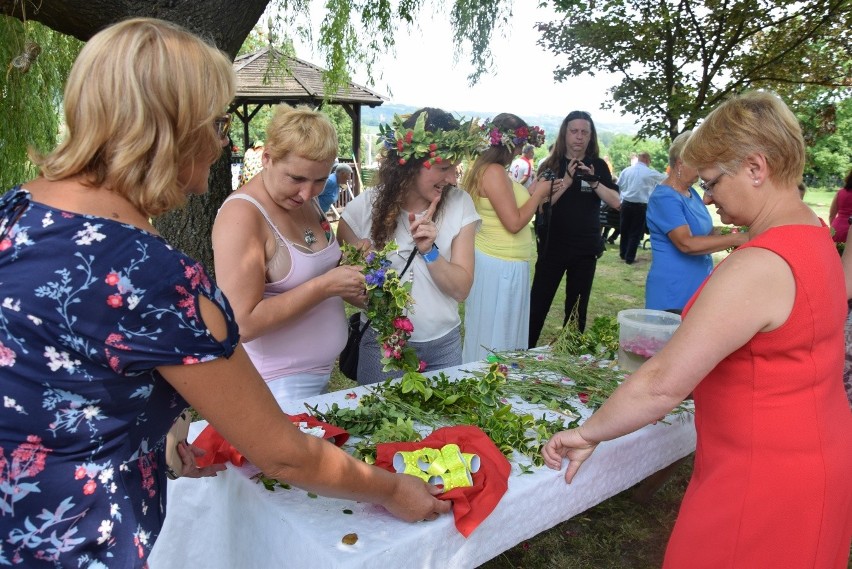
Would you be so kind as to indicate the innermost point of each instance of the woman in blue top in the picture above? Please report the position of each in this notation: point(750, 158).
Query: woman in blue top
point(107, 332)
point(682, 236)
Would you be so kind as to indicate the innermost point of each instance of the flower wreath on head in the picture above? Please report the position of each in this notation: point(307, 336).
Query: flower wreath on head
point(513, 137)
point(438, 146)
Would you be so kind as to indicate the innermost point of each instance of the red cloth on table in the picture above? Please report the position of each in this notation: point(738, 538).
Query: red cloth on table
point(220, 451)
point(473, 504)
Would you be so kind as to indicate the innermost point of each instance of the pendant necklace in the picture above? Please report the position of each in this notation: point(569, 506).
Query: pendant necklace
point(308, 233)
point(310, 238)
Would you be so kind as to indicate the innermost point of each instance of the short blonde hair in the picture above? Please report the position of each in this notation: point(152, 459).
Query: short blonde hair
point(754, 123)
point(140, 104)
point(300, 131)
point(676, 148)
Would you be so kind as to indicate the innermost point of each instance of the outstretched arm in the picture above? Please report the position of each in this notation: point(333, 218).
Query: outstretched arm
point(230, 394)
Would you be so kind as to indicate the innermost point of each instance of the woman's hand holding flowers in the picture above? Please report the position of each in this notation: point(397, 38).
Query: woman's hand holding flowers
point(347, 282)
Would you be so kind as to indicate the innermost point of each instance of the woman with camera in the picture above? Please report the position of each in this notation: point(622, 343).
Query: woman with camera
point(569, 232)
point(496, 313)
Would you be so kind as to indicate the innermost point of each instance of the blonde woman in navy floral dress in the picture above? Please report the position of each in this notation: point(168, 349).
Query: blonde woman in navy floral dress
point(106, 332)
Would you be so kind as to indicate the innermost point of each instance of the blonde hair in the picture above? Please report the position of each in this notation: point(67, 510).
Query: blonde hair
point(676, 148)
point(755, 123)
point(500, 154)
point(301, 131)
point(140, 103)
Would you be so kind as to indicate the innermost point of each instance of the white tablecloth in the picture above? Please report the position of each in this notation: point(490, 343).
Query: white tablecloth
point(231, 521)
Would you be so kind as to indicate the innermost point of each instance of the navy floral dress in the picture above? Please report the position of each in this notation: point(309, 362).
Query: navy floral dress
point(88, 308)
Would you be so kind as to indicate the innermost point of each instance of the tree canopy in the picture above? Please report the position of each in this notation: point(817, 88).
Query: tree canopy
point(679, 59)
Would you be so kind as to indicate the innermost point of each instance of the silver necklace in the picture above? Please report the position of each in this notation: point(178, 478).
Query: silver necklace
point(310, 238)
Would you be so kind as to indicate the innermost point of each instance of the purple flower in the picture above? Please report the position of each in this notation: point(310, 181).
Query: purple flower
point(371, 256)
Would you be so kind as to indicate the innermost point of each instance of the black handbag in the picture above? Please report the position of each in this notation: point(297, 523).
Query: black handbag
point(348, 360)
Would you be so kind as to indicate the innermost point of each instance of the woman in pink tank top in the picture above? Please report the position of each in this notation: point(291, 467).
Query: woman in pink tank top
point(277, 259)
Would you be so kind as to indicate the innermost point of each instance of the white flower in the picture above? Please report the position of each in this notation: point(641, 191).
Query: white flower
point(22, 238)
point(10, 403)
point(106, 475)
point(114, 510)
point(105, 529)
point(12, 304)
point(91, 412)
point(143, 536)
point(132, 301)
point(47, 220)
point(34, 319)
point(59, 360)
point(89, 235)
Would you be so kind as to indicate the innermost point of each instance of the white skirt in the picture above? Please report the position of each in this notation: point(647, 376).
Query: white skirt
point(497, 310)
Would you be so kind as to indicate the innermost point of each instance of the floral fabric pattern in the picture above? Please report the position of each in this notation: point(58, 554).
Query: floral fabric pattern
point(89, 307)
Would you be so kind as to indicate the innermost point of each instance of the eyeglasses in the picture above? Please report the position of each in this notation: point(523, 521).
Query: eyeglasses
point(223, 126)
point(707, 187)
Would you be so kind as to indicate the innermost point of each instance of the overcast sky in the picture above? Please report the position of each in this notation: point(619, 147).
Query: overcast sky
point(422, 72)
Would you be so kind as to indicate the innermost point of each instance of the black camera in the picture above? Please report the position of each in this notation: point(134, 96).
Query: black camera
point(587, 177)
point(548, 175)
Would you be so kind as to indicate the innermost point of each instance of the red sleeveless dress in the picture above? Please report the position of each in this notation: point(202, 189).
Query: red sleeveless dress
point(772, 482)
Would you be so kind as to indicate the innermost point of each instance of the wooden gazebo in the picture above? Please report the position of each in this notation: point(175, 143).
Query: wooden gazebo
point(269, 77)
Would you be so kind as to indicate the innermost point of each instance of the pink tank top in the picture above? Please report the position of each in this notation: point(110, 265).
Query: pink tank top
point(311, 342)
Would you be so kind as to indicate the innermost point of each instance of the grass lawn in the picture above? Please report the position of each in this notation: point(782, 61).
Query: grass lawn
point(622, 532)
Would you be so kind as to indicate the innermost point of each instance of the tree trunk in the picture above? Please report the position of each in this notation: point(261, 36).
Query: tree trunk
point(223, 22)
point(189, 229)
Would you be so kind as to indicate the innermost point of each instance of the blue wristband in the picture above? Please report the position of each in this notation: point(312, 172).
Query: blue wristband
point(431, 256)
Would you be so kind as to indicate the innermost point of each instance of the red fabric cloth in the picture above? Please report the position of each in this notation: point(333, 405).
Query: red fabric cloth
point(473, 504)
point(220, 451)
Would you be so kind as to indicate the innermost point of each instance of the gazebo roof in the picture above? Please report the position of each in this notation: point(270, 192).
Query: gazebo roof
point(299, 82)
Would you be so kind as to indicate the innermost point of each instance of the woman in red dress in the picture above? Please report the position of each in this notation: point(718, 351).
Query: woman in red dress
point(761, 350)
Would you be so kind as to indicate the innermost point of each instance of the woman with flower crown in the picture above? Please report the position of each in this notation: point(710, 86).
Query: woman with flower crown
point(276, 258)
point(417, 204)
point(497, 311)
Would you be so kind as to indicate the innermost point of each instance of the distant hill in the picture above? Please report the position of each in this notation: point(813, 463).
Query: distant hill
point(373, 116)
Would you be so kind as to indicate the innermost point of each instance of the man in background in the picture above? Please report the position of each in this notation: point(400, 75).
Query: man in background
point(252, 162)
point(522, 170)
point(636, 183)
point(340, 177)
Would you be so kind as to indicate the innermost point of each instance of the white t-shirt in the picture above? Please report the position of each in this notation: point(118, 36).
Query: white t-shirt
point(434, 313)
point(520, 168)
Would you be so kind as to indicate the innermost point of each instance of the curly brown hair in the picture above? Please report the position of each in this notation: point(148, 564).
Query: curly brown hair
point(395, 180)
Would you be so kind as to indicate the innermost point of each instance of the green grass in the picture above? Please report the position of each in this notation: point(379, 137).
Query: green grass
point(621, 532)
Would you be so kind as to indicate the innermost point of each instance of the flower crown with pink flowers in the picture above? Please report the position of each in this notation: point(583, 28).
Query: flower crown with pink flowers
point(511, 138)
point(438, 146)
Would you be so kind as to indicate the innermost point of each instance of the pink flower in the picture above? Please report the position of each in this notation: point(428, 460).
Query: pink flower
point(5, 244)
point(584, 398)
point(89, 487)
point(387, 351)
point(351, 395)
point(80, 473)
point(403, 323)
point(421, 367)
point(7, 356)
point(189, 360)
point(111, 279)
point(115, 300)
